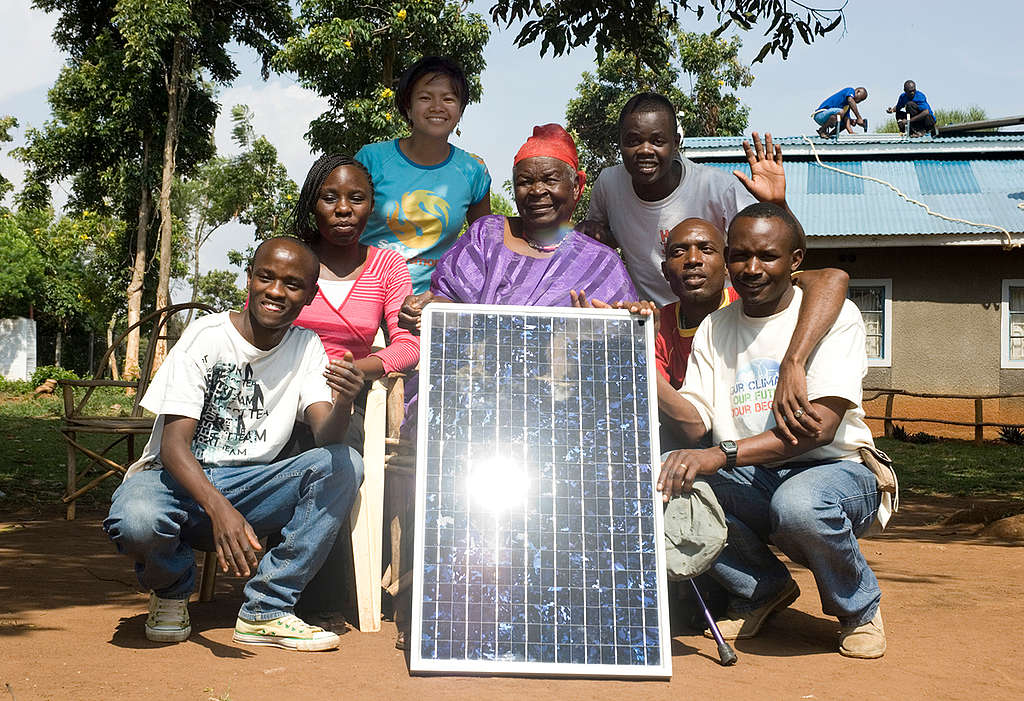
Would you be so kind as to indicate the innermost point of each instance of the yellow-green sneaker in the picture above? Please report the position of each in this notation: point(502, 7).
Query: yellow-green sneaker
point(168, 620)
point(289, 632)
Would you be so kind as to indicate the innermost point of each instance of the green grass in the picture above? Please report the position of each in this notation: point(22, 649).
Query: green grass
point(33, 457)
point(958, 467)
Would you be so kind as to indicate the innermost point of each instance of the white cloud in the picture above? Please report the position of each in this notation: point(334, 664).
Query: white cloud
point(26, 50)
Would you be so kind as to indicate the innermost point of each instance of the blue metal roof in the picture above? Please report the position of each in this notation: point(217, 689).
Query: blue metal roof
point(714, 142)
point(835, 204)
point(858, 146)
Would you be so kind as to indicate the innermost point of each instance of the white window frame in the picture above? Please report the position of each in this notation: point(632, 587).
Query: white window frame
point(886, 360)
point(1004, 327)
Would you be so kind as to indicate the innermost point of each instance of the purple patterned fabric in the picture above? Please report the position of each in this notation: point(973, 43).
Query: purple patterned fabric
point(480, 269)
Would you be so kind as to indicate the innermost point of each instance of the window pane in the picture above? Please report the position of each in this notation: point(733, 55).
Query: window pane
point(873, 346)
point(867, 299)
point(1017, 299)
point(872, 323)
point(1016, 325)
point(1017, 349)
point(871, 302)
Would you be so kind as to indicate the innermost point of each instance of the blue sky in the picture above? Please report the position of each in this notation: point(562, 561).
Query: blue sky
point(958, 54)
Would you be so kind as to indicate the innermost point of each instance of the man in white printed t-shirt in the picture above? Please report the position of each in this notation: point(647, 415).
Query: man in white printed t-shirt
point(226, 400)
point(811, 499)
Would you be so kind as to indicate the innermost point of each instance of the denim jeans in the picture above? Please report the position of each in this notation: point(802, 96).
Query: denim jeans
point(812, 513)
point(156, 522)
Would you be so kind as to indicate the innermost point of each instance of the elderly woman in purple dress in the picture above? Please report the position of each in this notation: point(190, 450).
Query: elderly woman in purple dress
point(537, 258)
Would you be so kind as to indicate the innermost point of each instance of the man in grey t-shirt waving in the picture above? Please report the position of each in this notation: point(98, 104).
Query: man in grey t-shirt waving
point(635, 204)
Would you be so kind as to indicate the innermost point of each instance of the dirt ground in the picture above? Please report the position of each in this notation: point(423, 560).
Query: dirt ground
point(71, 627)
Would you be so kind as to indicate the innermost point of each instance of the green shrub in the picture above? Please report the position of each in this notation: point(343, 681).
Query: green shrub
point(1012, 435)
point(52, 372)
point(15, 386)
point(922, 438)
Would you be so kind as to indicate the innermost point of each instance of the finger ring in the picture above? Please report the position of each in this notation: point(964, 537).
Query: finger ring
point(798, 413)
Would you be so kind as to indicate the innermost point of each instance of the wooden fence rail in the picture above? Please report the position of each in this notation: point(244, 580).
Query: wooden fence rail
point(979, 422)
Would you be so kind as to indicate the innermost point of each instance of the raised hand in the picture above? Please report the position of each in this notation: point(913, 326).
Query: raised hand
point(767, 181)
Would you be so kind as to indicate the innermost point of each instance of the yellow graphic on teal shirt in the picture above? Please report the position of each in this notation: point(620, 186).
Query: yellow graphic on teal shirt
point(417, 221)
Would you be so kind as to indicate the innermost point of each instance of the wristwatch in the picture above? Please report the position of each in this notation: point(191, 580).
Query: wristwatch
point(729, 448)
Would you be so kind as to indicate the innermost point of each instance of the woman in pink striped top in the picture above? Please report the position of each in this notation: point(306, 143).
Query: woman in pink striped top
point(359, 284)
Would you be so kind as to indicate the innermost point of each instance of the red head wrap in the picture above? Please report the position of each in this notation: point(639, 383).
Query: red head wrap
point(554, 141)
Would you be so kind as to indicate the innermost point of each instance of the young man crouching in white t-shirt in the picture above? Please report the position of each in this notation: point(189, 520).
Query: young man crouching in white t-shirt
point(226, 400)
point(811, 498)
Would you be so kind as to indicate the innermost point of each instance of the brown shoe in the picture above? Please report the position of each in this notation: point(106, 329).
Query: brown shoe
point(865, 642)
point(738, 626)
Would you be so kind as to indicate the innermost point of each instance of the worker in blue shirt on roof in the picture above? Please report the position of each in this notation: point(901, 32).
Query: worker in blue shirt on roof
point(840, 106)
point(913, 105)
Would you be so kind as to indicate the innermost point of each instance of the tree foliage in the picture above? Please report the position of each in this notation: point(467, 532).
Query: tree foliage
point(218, 289)
point(102, 114)
point(62, 268)
point(953, 115)
point(251, 187)
point(352, 53)
point(641, 28)
point(21, 268)
point(7, 123)
point(134, 107)
point(699, 78)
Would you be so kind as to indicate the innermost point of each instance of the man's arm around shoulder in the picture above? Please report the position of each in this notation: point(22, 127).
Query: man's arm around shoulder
point(824, 292)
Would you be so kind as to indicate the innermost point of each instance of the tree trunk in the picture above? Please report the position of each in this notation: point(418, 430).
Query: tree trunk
point(112, 358)
point(197, 242)
point(57, 349)
point(163, 295)
point(131, 354)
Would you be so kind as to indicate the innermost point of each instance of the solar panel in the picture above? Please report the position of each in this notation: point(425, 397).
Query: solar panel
point(538, 544)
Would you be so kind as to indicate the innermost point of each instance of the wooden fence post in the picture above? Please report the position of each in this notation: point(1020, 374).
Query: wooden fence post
point(887, 423)
point(979, 430)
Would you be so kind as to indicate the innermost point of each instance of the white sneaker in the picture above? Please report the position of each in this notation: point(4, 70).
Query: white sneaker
point(168, 620)
point(289, 632)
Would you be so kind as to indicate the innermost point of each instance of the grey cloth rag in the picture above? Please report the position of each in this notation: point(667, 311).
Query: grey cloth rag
point(695, 532)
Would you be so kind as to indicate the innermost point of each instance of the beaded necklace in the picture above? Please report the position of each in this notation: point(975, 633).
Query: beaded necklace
point(547, 248)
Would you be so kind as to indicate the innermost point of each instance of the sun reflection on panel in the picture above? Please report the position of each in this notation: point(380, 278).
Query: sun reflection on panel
point(497, 483)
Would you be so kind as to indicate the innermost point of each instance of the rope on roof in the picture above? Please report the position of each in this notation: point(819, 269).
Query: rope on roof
point(1009, 245)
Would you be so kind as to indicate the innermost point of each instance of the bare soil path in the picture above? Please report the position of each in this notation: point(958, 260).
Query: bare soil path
point(71, 627)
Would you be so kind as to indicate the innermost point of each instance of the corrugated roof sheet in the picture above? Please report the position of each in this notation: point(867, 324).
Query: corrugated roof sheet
point(714, 142)
point(835, 204)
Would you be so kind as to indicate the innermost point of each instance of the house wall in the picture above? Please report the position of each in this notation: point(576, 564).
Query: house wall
point(945, 326)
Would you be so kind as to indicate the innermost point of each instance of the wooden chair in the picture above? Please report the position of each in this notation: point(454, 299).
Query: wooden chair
point(124, 429)
point(399, 494)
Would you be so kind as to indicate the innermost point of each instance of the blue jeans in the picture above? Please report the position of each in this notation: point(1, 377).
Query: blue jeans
point(812, 513)
point(156, 522)
point(822, 116)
